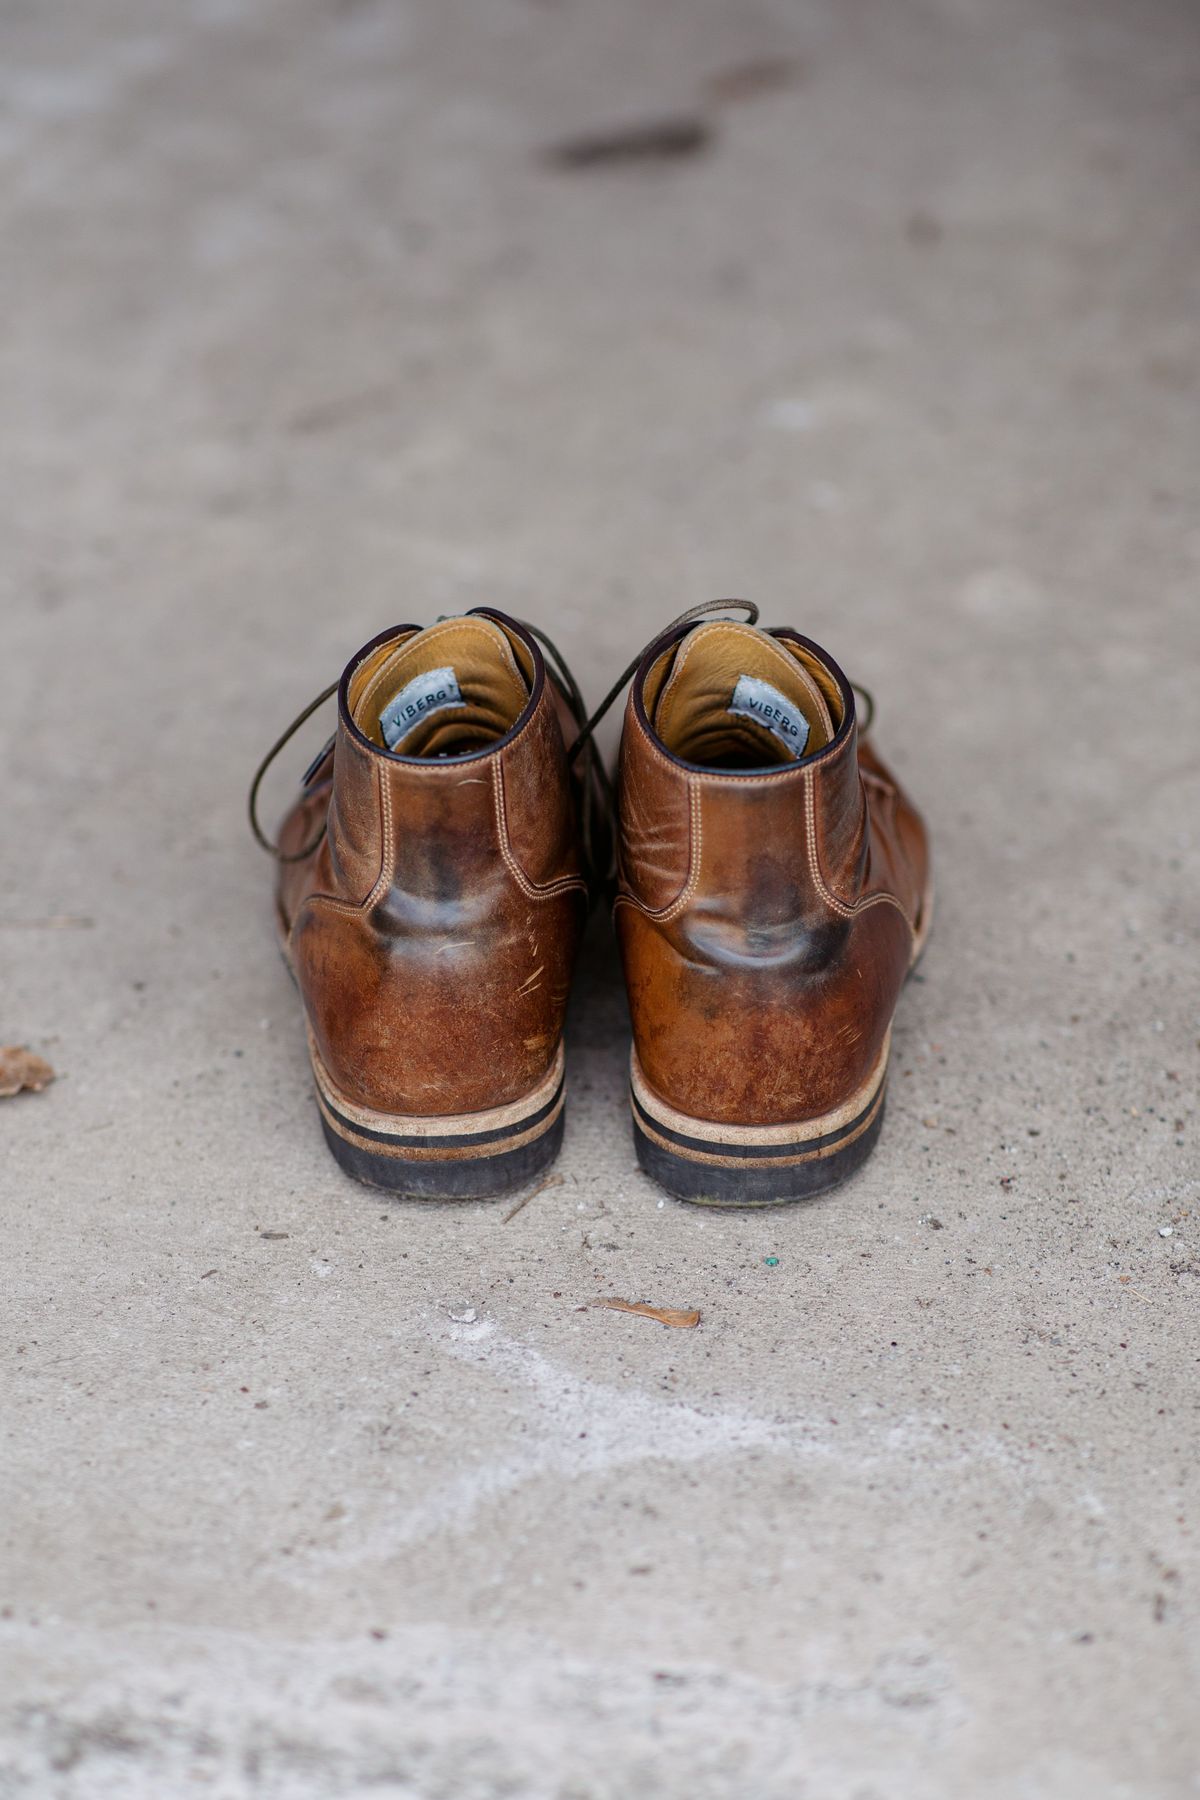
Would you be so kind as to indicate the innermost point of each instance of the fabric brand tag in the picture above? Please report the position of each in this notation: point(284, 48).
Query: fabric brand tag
point(758, 700)
point(431, 692)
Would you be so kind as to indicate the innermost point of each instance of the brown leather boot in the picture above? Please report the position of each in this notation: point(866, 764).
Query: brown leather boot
point(430, 900)
point(773, 895)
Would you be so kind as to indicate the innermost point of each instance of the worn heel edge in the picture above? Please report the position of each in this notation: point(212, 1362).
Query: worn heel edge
point(448, 1156)
point(743, 1165)
point(459, 1178)
point(708, 1181)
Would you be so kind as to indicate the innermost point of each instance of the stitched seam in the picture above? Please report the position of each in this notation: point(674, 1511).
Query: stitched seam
point(387, 866)
point(665, 914)
point(831, 900)
point(565, 883)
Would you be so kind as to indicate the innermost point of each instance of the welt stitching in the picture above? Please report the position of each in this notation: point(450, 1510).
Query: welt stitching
point(831, 900)
point(565, 884)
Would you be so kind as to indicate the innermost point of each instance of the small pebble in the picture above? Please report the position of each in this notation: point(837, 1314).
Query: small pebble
point(465, 1318)
point(772, 1262)
point(1166, 1231)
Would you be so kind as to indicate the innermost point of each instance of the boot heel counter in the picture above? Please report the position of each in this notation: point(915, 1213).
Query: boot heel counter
point(759, 994)
point(761, 1035)
point(446, 991)
point(457, 1018)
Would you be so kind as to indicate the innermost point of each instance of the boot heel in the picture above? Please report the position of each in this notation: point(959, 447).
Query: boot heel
point(745, 1165)
point(463, 1156)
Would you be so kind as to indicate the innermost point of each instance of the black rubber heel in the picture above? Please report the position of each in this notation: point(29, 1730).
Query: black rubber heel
point(446, 1156)
point(446, 1178)
point(746, 1179)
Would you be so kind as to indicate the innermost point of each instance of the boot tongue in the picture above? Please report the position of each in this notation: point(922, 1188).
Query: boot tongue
point(735, 697)
point(446, 691)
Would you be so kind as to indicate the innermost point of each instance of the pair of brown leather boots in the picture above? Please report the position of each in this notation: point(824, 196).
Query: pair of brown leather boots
point(771, 895)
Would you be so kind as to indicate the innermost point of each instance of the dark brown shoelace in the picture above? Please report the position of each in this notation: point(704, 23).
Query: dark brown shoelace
point(596, 809)
point(597, 822)
point(685, 618)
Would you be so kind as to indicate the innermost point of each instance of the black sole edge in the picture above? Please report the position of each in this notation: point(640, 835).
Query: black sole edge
point(454, 1178)
point(712, 1184)
point(765, 1153)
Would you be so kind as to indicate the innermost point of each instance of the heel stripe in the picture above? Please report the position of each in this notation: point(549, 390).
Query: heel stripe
point(464, 1140)
point(758, 1140)
point(801, 1150)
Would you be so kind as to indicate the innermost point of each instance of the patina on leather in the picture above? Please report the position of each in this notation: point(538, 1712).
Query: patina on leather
point(433, 927)
point(768, 906)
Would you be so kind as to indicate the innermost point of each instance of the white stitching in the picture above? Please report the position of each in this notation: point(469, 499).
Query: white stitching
point(695, 783)
point(830, 899)
point(387, 865)
point(665, 914)
point(564, 885)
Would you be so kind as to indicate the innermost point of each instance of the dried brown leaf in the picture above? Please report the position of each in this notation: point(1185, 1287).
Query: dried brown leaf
point(666, 1315)
point(645, 141)
point(20, 1068)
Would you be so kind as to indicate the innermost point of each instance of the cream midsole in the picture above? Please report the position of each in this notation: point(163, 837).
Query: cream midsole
point(437, 1149)
point(752, 1136)
point(442, 1125)
point(767, 1156)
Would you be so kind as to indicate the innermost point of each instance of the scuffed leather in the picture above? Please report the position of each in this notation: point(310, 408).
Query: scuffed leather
point(433, 930)
point(766, 929)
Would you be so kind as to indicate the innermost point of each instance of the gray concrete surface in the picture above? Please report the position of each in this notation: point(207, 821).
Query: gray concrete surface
point(310, 1495)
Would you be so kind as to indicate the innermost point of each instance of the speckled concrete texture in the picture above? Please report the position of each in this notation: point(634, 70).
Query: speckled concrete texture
point(308, 1495)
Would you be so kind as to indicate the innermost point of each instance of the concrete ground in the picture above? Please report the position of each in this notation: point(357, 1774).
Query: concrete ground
point(310, 1495)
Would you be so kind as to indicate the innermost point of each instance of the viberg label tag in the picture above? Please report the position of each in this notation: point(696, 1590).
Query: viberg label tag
point(758, 700)
point(424, 694)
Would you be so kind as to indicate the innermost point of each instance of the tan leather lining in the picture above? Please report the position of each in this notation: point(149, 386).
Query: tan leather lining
point(494, 685)
point(656, 674)
point(822, 676)
point(688, 698)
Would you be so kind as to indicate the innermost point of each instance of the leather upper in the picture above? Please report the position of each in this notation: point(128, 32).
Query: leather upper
point(432, 929)
point(766, 918)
